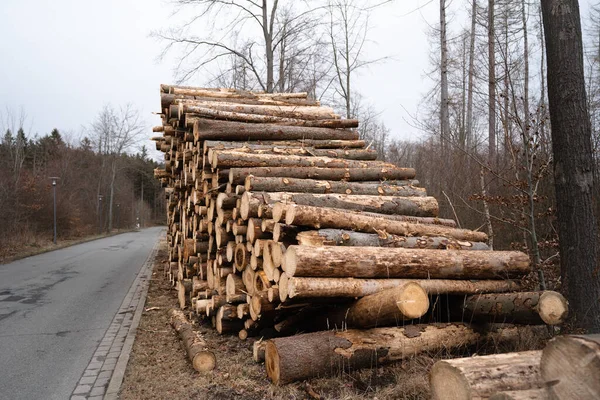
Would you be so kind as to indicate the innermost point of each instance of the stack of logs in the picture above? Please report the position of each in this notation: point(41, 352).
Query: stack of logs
point(281, 220)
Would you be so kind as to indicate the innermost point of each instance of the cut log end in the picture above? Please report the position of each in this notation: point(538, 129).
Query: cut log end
point(272, 363)
point(412, 301)
point(204, 361)
point(447, 382)
point(553, 308)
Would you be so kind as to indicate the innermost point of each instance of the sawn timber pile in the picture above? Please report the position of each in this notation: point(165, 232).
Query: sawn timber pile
point(282, 221)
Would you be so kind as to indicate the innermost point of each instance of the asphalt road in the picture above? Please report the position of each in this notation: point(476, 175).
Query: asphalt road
point(55, 308)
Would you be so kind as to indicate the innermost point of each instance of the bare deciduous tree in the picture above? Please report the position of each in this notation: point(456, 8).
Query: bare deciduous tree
point(115, 132)
point(276, 34)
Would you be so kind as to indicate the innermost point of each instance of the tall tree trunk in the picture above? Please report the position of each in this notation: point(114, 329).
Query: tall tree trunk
point(491, 84)
point(529, 151)
point(444, 113)
point(113, 177)
point(469, 127)
point(267, 25)
point(573, 162)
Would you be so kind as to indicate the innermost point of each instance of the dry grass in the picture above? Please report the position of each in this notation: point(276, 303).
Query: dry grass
point(27, 244)
point(159, 369)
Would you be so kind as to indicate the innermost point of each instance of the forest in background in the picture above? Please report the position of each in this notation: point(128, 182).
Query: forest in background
point(105, 180)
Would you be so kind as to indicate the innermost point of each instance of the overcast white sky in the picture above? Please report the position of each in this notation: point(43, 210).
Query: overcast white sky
point(62, 60)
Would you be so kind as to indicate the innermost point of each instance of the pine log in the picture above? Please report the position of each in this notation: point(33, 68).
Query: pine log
point(234, 285)
point(300, 288)
point(571, 367)
point(481, 377)
point(406, 206)
point(301, 357)
point(388, 307)
point(533, 308)
point(340, 237)
point(184, 288)
point(237, 159)
point(278, 184)
point(529, 394)
point(265, 119)
point(238, 176)
point(205, 129)
point(348, 154)
point(371, 262)
point(202, 359)
point(240, 257)
point(317, 217)
point(298, 112)
point(198, 286)
point(227, 320)
point(316, 144)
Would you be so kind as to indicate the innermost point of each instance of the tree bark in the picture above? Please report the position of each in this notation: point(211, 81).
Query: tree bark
point(205, 129)
point(406, 206)
point(571, 367)
point(276, 184)
point(533, 308)
point(202, 359)
point(573, 161)
point(274, 144)
point(491, 84)
point(340, 237)
point(237, 176)
point(237, 159)
point(528, 394)
point(296, 287)
point(317, 217)
point(371, 262)
point(481, 377)
point(301, 357)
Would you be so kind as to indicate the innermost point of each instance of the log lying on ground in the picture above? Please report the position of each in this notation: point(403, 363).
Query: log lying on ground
point(571, 367)
point(237, 176)
point(300, 357)
point(202, 359)
point(534, 308)
point(371, 262)
point(236, 159)
point(481, 377)
point(340, 237)
point(388, 307)
point(296, 287)
point(278, 184)
point(317, 217)
point(227, 130)
point(530, 394)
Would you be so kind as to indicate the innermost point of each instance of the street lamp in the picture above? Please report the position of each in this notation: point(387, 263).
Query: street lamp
point(100, 214)
point(118, 215)
point(54, 179)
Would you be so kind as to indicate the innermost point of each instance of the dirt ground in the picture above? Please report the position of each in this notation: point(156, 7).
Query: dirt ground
point(158, 367)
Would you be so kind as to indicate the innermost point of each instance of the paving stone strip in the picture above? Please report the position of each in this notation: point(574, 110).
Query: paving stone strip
point(104, 374)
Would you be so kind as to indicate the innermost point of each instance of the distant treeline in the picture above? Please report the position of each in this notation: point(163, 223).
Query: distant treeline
point(83, 189)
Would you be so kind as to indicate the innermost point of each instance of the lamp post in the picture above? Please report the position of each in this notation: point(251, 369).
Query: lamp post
point(54, 179)
point(118, 215)
point(99, 214)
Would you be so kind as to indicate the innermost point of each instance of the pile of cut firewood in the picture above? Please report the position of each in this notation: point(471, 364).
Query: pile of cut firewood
point(282, 221)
